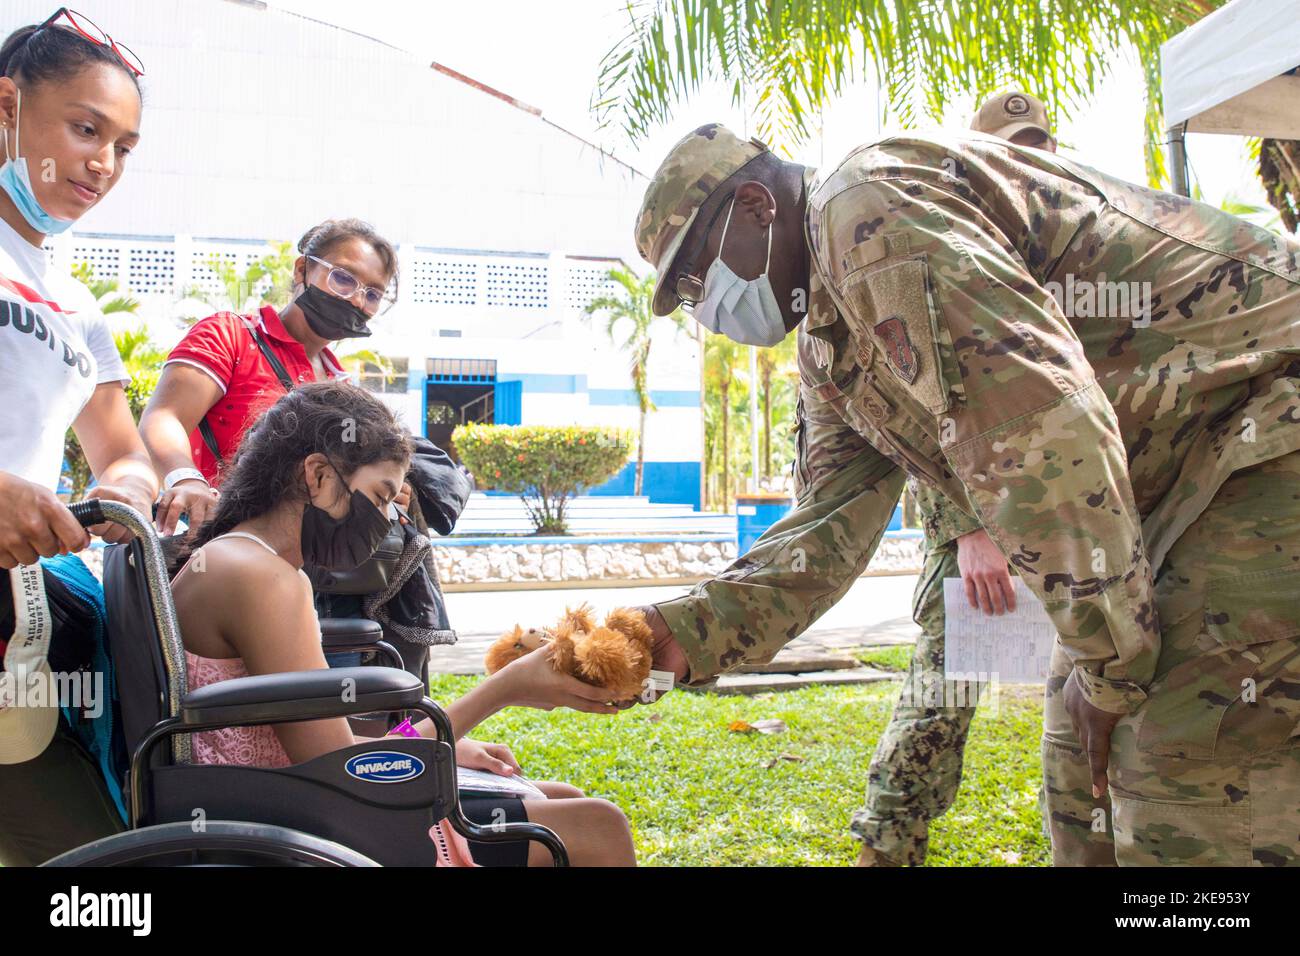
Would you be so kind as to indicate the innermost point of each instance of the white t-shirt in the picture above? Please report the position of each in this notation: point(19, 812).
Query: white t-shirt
point(55, 348)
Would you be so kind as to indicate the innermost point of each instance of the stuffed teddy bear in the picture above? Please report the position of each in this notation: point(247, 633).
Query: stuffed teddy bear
point(615, 656)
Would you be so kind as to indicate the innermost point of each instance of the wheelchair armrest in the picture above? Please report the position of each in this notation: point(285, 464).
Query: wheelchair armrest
point(340, 635)
point(350, 633)
point(301, 695)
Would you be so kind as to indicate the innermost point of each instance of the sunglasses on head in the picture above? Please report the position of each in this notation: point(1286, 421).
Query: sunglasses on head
point(71, 20)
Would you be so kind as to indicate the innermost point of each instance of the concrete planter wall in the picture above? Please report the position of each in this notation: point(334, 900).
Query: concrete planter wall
point(482, 563)
point(553, 561)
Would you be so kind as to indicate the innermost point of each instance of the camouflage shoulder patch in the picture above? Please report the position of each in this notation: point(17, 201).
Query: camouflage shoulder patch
point(899, 351)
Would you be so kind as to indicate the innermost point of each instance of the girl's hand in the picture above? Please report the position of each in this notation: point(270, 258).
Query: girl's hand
point(494, 758)
point(403, 499)
point(190, 497)
point(531, 681)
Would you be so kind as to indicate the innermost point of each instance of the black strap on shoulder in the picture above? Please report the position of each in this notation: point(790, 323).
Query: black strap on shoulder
point(210, 439)
point(205, 430)
point(271, 357)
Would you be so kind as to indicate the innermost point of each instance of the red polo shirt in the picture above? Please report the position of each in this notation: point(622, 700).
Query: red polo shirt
point(222, 347)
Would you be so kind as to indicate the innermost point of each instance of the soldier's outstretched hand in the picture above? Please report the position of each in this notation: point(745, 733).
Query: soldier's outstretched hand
point(1093, 727)
point(666, 653)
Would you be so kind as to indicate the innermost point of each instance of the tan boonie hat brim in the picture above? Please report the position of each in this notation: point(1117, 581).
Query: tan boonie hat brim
point(1012, 129)
point(665, 297)
point(695, 167)
point(25, 731)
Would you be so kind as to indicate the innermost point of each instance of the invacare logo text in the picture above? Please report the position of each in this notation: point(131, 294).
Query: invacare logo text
point(76, 908)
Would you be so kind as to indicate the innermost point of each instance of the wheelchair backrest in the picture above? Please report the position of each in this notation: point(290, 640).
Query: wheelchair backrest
point(144, 641)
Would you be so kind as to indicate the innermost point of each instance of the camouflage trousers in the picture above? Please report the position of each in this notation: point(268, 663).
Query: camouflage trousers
point(1207, 771)
point(916, 770)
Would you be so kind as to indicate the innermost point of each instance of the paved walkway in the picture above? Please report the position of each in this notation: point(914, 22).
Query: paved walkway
point(875, 611)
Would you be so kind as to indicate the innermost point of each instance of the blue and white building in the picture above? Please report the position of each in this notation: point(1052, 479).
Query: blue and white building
point(260, 123)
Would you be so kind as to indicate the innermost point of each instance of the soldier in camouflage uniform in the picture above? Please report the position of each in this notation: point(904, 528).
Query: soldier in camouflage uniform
point(1105, 377)
point(916, 770)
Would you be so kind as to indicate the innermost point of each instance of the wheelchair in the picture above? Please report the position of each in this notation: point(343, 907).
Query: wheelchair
point(371, 804)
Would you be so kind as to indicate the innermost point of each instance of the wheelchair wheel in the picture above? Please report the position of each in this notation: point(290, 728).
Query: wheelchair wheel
point(220, 843)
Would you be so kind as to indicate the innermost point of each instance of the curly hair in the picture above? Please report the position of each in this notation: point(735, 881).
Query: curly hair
point(346, 424)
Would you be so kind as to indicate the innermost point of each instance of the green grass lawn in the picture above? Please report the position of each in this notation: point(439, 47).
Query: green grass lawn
point(699, 795)
point(895, 658)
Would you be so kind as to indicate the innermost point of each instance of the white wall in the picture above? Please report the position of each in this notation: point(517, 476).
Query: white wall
point(259, 123)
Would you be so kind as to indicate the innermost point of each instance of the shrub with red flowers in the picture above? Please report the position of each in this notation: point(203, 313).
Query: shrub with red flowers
point(545, 465)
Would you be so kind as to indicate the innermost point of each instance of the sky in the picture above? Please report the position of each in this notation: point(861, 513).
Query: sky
point(548, 55)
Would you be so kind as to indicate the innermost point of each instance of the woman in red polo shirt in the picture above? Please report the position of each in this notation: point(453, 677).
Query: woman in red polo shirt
point(229, 368)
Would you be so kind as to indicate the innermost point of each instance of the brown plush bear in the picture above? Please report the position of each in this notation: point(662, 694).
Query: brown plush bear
point(615, 656)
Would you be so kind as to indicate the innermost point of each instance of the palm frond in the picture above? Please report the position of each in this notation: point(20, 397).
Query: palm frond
point(786, 59)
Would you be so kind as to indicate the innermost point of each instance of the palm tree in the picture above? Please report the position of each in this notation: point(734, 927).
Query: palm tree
point(722, 359)
point(107, 292)
point(633, 304)
point(367, 361)
point(267, 280)
point(1279, 171)
point(144, 361)
point(790, 57)
point(142, 358)
point(780, 362)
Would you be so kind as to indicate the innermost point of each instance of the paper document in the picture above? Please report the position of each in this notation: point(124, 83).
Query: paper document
point(481, 781)
point(1013, 648)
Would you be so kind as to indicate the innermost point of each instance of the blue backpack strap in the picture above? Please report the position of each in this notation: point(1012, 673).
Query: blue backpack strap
point(100, 734)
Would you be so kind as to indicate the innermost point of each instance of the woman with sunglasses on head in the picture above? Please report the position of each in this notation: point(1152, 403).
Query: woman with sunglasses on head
point(69, 116)
point(229, 368)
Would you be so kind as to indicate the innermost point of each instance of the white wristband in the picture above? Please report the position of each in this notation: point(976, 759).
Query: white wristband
point(182, 474)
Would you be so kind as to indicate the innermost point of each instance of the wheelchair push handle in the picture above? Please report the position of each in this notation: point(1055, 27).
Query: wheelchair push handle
point(88, 512)
point(95, 511)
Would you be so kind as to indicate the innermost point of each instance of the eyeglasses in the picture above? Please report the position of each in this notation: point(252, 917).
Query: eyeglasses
point(690, 290)
point(83, 25)
point(345, 285)
point(689, 287)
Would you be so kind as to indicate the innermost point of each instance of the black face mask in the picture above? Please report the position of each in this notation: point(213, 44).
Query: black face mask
point(341, 544)
point(331, 317)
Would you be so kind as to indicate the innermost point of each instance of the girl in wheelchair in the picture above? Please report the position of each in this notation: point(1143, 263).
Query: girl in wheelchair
point(315, 480)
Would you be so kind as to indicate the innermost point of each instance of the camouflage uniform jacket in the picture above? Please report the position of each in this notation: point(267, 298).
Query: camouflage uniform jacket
point(975, 320)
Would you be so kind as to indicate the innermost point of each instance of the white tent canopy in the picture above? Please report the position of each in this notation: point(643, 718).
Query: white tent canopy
point(1235, 71)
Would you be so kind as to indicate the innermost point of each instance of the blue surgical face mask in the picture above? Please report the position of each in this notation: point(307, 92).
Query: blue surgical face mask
point(744, 310)
point(15, 180)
